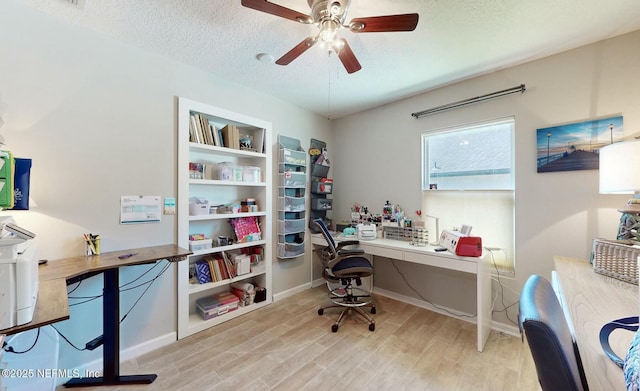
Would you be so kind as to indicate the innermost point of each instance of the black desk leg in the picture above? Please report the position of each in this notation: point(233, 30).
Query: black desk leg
point(111, 341)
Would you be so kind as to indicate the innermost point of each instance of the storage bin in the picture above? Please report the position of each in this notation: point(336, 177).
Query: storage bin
point(224, 171)
point(617, 259)
point(321, 204)
point(198, 209)
point(291, 226)
point(197, 245)
point(293, 179)
point(290, 250)
point(323, 186)
point(212, 306)
point(291, 204)
point(319, 170)
point(251, 174)
point(289, 156)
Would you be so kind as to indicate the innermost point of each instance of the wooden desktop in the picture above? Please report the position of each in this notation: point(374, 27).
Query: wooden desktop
point(591, 300)
point(52, 304)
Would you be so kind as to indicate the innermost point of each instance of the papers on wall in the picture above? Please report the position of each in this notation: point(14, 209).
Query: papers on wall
point(140, 209)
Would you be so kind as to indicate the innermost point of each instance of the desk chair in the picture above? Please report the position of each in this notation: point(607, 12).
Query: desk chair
point(343, 270)
point(552, 346)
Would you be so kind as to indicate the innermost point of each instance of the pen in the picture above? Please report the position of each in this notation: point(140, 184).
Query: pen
point(125, 256)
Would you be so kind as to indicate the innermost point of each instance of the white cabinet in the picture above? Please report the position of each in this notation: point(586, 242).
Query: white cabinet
point(224, 185)
point(292, 183)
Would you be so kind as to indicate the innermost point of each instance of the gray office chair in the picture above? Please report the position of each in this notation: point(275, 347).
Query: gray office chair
point(343, 269)
point(552, 346)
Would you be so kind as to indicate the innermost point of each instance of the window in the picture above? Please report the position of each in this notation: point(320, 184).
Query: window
point(478, 159)
point(472, 157)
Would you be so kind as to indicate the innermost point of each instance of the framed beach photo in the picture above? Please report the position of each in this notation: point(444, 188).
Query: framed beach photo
point(575, 146)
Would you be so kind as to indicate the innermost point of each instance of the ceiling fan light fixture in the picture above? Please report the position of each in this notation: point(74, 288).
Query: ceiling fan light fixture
point(329, 16)
point(337, 45)
point(328, 31)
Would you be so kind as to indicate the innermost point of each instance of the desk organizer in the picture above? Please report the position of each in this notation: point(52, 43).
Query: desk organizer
point(617, 259)
point(397, 233)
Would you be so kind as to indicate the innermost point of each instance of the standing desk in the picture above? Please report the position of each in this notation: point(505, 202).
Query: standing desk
point(404, 251)
point(52, 304)
point(591, 300)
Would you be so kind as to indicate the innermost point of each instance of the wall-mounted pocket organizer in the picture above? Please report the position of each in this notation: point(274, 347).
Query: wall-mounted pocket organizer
point(292, 177)
point(321, 186)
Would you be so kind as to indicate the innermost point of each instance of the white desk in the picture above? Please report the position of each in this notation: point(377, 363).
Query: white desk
point(404, 251)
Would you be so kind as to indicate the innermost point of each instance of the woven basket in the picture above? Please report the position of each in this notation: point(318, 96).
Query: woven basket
point(617, 259)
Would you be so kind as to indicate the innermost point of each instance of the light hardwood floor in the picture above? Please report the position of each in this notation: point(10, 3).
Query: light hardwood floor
point(288, 346)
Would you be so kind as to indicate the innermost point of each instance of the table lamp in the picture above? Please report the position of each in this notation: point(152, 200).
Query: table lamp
point(620, 174)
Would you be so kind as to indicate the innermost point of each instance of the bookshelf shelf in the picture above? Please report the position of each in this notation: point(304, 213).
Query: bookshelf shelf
point(197, 324)
point(230, 247)
point(226, 183)
point(220, 216)
point(204, 192)
point(195, 288)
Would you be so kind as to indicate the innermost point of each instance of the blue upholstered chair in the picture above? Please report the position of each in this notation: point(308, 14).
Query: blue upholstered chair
point(343, 269)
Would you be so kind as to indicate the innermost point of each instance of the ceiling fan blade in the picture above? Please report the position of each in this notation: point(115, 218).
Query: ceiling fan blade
point(376, 24)
point(297, 51)
point(348, 59)
point(277, 10)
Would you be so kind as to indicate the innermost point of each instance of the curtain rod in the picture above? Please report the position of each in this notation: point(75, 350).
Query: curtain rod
point(469, 101)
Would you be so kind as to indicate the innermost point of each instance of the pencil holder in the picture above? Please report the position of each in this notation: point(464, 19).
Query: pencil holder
point(92, 244)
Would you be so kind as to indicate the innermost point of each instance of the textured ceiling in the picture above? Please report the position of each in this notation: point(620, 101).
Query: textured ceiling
point(454, 40)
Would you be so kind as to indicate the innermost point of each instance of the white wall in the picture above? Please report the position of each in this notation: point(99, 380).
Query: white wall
point(98, 118)
point(559, 213)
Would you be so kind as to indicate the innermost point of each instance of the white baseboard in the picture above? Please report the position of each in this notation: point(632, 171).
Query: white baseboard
point(128, 354)
point(291, 292)
point(423, 304)
point(497, 326)
point(505, 328)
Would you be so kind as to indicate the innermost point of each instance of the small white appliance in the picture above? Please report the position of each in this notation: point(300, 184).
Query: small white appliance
point(18, 275)
point(366, 231)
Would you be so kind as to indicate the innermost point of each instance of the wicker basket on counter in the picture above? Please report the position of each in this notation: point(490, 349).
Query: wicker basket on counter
point(616, 258)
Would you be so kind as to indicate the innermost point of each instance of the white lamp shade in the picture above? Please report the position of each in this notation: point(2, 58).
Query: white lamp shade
point(620, 168)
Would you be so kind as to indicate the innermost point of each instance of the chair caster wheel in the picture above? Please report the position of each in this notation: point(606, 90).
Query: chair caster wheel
point(373, 311)
point(372, 327)
point(320, 311)
point(334, 328)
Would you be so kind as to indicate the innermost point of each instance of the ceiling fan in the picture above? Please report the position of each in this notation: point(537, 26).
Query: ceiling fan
point(329, 16)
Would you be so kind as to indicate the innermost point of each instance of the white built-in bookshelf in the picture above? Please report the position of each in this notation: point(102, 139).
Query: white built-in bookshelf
point(215, 176)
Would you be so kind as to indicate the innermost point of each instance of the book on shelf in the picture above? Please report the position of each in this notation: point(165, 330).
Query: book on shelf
point(215, 134)
point(246, 229)
point(229, 265)
point(219, 268)
point(231, 136)
point(216, 270)
point(203, 272)
point(202, 131)
point(193, 129)
point(215, 276)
